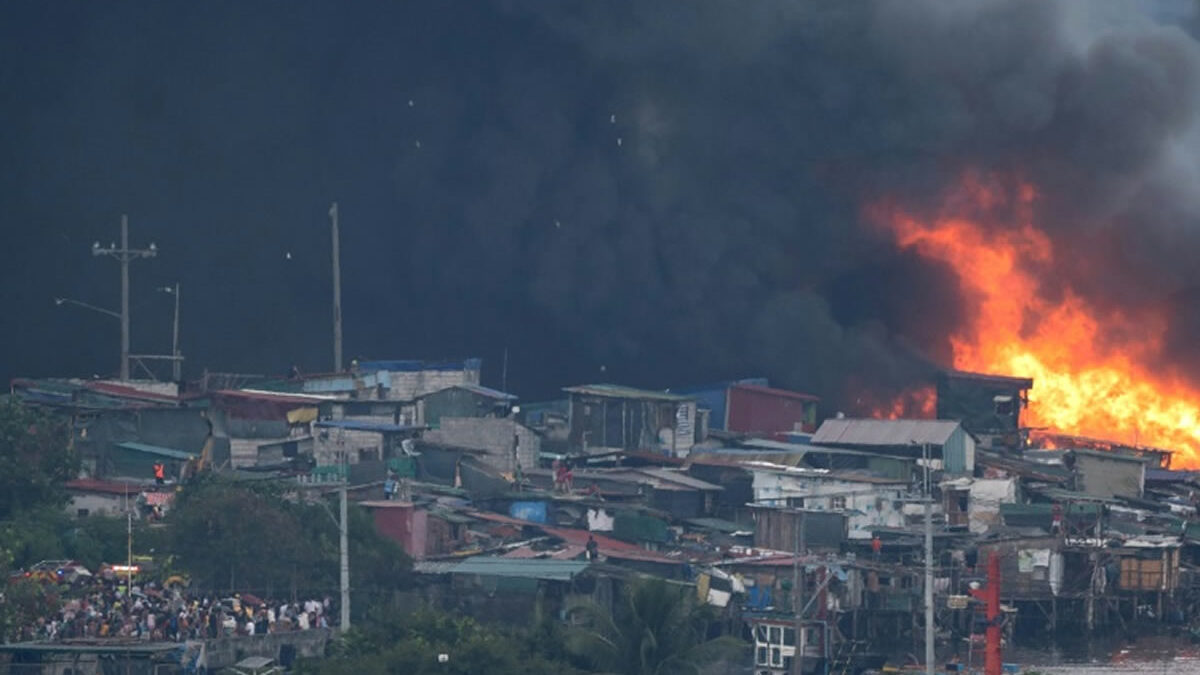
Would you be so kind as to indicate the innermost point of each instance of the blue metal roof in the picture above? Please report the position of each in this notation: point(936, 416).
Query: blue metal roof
point(713, 397)
point(358, 425)
point(416, 365)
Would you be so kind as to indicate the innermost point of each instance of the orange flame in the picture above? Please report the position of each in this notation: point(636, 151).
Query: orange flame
point(1089, 366)
point(919, 402)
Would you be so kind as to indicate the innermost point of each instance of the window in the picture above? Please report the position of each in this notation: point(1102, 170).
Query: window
point(837, 503)
point(1004, 406)
point(760, 633)
point(776, 635)
point(776, 656)
point(760, 656)
point(789, 637)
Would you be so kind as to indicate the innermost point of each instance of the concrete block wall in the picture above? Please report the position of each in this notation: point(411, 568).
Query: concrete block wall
point(225, 652)
point(492, 434)
point(329, 443)
point(244, 451)
point(406, 386)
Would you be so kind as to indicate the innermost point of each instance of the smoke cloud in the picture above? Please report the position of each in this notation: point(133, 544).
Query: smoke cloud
point(670, 192)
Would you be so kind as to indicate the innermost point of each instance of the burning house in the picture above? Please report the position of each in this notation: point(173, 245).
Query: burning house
point(988, 406)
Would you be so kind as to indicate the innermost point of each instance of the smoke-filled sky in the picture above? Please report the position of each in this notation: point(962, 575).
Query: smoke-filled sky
point(655, 193)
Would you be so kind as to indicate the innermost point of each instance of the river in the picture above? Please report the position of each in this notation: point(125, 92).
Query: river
point(1147, 656)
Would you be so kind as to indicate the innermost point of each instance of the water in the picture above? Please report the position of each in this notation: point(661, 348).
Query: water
point(1147, 656)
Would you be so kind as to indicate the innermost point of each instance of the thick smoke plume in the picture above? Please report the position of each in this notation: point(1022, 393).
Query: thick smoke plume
point(673, 192)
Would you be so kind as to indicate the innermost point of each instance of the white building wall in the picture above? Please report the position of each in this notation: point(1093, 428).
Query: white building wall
point(986, 496)
point(867, 504)
point(100, 503)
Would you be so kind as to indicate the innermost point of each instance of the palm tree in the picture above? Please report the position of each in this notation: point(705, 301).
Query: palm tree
point(655, 628)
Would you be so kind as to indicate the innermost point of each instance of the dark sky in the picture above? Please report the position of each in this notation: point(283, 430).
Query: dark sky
point(671, 192)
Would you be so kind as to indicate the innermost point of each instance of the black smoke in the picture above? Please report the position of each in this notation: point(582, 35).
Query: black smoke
point(655, 193)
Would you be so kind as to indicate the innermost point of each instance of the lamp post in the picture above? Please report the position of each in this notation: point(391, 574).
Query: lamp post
point(79, 303)
point(177, 359)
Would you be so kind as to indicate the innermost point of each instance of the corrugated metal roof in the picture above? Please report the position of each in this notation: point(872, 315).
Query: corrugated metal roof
point(1171, 475)
point(435, 566)
point(524, 568)
point(97, 485)
point(618, 391)
point(489, 392)
point(680, 478)
point(358, 425)
point(782, 393)
point(1005, 380)
point(739, 457)
point(874, 432)
point(155, 450)
point(718, 524)
point(1109, 455)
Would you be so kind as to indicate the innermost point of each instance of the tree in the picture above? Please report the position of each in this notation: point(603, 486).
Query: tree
point(233, 536)
point(36, 458)
point(411, 644)
point(656, 628)
point(261, 537)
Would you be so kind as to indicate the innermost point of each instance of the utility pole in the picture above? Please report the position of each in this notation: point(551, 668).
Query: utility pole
point(798, 583)
point(177, 364)
point(124, 255)
point(337, 291)
point(929, 629)
point(128, 545)
point(345, 548)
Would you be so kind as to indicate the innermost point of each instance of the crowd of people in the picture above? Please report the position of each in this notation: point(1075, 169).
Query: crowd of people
point(156, 614)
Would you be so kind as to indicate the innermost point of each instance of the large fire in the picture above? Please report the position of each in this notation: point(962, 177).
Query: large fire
point(1089, 366)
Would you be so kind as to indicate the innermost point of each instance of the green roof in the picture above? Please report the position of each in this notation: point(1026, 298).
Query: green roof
point(169, 453)
point(524, 568)
point(718, 524)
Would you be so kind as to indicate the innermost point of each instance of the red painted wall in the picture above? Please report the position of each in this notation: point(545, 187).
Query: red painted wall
point(753, 410)
point(404, 524)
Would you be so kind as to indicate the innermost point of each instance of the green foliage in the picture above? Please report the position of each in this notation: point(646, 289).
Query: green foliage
point(239, 537)
point(412, 643)
point(36, 458)
point(656, 628)
point(257, 537)
point(24, 600)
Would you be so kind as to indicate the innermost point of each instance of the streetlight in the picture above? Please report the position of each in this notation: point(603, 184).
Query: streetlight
point(177, 359)
point(79, 303)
